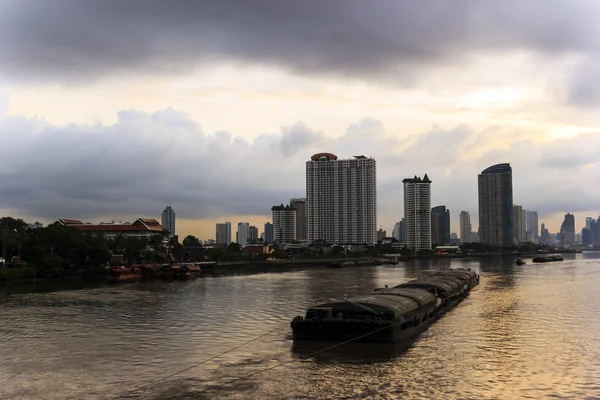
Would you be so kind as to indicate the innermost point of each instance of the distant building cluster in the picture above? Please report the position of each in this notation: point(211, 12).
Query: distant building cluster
point(340, 209)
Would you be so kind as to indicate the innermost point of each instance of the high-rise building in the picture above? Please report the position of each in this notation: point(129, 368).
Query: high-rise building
point(440, 225)
point(381, 234)
point(402, 230)
point(417, 213)
point(474, 237)
point(396, 231)
point(496, 224)
point(595, 231)
point(252, 234)
point(284, 224)
point(567, 229)
point(532, 234)
point(545, 235)
point(301, 218)
point(243, 233)
point(269, 233)
point(465, 227)
point(341, 199)
point(586, 236)
point(223, 233)
point(518, 223)
point(588, 222)
point(168, 220)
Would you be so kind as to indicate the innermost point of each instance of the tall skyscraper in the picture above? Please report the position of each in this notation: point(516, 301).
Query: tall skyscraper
point(243, 233)
point(341, 199)
point(252, 234)
point(496, 224)
point(518, 223)
point(440, 225)
point(532, 234)
point(301, 218)
point(417, 213)
point(284, 224)
point(168, 220)
point(588, 222)
point(545, 235)
point(402, 230)
point(465, 227)
point(269, 235)
point(567, 229)
point(223, 233)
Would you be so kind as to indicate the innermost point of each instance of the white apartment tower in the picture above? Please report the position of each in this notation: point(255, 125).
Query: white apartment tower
point(243, 233)
point(417, 213)
point(168, 220)
point(465, 227)
point(284, 224)
point(341, 198)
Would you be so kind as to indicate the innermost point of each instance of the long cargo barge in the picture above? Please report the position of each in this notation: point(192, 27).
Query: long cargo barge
point(390, 315)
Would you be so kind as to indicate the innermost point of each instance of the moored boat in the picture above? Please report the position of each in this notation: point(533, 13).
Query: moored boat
point(386, 315)
point(520, 262)
point(124, 274)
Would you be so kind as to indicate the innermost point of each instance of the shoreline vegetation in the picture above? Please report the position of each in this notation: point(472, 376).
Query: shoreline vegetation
point(58, 252)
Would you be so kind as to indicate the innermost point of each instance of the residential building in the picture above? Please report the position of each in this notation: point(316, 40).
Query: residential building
point(532, 231)
point(301, 218)
point(518, 223)
point(381, 234)
point(168, 220)
point(341, 199)
point(269, 237)
point(253, 234)
point(223, 233)
point(588, 222)
point(567, 230)
point(465, 227)
point(440, 225)
point(417, 213)
point(140, 228)
point(496, 224)
point(242, 237)
point(284, 224)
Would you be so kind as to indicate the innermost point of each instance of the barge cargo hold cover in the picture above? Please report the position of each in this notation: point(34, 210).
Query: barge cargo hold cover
point(386, 315)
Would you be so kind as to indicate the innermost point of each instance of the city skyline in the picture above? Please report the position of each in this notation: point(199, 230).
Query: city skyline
point(448, 101)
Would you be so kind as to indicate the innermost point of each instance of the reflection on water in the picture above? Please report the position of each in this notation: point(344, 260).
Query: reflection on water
point(525, 331)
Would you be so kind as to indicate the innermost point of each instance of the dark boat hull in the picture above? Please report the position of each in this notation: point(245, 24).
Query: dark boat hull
point(342, 330)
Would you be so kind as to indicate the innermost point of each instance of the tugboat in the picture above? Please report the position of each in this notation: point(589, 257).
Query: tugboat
point(520, 261)
point(389, 315)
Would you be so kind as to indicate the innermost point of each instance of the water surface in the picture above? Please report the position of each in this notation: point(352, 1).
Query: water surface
point(529, 331)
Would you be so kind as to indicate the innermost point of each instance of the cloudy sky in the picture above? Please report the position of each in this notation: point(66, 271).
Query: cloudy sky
point(112, 109)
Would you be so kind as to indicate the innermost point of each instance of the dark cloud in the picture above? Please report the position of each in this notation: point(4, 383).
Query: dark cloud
point(70, 40)
point(146, 160)
point(584, 87)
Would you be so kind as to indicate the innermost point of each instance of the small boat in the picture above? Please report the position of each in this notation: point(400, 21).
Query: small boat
point(389, 315)
point(124, 274)
point(547, 258)
point(334, 265)
point(520, 262)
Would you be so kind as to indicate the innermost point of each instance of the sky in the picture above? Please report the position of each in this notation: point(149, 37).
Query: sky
point(112, 110)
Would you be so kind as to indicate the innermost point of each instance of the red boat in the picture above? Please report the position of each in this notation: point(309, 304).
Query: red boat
point(150, 271)
point(124, 274)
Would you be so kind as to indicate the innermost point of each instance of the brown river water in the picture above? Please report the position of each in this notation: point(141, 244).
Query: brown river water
point(530, 331)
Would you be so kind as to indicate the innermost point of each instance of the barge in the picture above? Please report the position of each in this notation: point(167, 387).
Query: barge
point(389, 315)
point(547, 258)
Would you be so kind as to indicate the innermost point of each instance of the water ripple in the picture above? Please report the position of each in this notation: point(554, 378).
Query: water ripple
point(525, 332)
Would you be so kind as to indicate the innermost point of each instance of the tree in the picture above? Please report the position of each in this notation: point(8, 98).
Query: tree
point(191, 241)
point(234, 248)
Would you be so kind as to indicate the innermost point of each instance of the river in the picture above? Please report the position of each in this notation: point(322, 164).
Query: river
point(530, 331)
